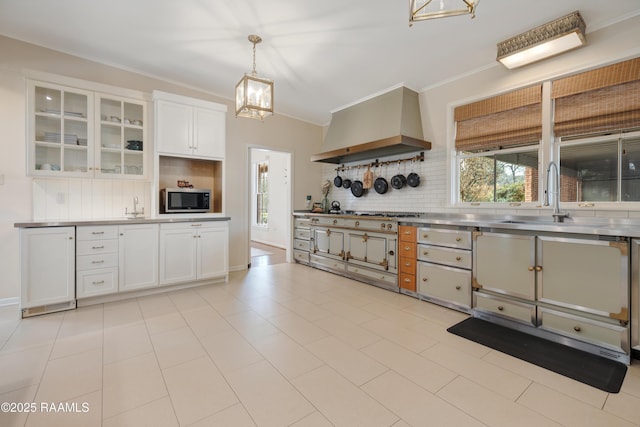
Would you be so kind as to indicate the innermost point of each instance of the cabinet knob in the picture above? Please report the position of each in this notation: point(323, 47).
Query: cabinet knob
point(70, 238)
point(335, 221)
point(389, 226)
point(407, 248)
point(424, 279)
point(458, 288)
point(458, 239)
point(424, 236)
point(538, 268)
point(357, 223)
point(500, 308)
point(458, 258)
point(407, 233)
point(577, 328)
point(407, 280)
point(407, 264)
point(425, 253)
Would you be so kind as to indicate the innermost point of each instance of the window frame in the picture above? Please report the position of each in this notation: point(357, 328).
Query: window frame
point(261, 207)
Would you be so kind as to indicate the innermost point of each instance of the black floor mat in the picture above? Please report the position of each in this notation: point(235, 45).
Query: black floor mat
point(596, 371)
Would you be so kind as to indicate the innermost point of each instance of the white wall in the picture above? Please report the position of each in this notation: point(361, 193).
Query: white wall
point(275, 233)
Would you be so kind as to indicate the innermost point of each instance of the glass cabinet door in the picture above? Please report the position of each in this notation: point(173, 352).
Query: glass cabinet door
point(59, 130)
point(120, 137)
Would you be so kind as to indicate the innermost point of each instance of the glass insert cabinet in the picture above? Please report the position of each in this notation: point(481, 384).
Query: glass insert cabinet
point(75, 132)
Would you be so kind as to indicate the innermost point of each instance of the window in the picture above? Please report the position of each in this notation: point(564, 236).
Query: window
point(262, 193)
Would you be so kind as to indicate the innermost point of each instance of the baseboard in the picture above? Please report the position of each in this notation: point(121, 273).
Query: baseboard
point(275, 245)
point(238, 268)
point(9, 301)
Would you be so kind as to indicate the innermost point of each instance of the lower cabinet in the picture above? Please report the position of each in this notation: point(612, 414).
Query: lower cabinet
point(96, 261)
point(138, 256)
point(47, 258)
point(193, 251)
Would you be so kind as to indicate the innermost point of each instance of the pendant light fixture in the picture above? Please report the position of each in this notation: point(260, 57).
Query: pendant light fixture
point(254, 95)
point(420, 10)
point(552, 38)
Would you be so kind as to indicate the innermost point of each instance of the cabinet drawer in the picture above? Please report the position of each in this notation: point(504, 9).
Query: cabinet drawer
point(301, 234)
point(91, 262)
point(301, 222)
point(452, 238)
point(603, 334)
point(97, 232)
point(407, 233)
point(301, 256)
point(302, 245)
point(445, 283)
point(407, 249)
point(96, 282)
point(372, 274)
point(407, 281)
point(90, 247)
point(454, 257)
point(326, 262)
point(513, 310)
point(407, 265)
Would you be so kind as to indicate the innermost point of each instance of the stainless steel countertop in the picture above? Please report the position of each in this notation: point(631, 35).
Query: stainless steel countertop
point(117, 221)
point(623, 227)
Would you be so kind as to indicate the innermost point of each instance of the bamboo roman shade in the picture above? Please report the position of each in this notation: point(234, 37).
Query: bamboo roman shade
point(507, 120)
point(601, 100)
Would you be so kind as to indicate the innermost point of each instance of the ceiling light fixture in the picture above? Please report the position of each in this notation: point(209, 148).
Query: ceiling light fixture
point(254, 95)
point(552, 38)
point(420, 10)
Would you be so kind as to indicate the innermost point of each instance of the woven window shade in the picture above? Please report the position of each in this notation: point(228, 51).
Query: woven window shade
point(506, 120)
point(602, 100)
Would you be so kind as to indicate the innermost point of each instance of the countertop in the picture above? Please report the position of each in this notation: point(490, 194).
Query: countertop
point(117, 221)
point(622, 227)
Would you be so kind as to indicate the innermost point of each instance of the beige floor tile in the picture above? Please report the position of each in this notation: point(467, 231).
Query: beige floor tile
point(352, 364)
point(14, 417)
point(298, 328)
point(177, 346)
point(268, 397)
point(436, 331)
point(414, 404)
point(156, 305)
point(341, 402)
point(251, 325)
point(72, 376)
point(391, 331)
point(631, 384)
point(566, 410)
point(287, 356)
point(266, 307)
point(34, 332)
point(204, 321)
point(9, 321)
point(314, 420)
point(74, 344)
point(585, 393)
point(82, 411)
point(392, 314)
point(20, 369)
point(131, 383)
point(427, 374)
point(124, 342)
point(230, 351)
point(187, 299)
point(348, 311)
point(350, 333)
point(155, 414)
point(82, 321)
point(498, 379)
point(122, 313)
point(489, 407)
point(197, 390)
point(305, 309)
point(624, 405)
point(165, 323)
point(233, 416)
point(402, 423)
point(229, 306)
point(435, 313)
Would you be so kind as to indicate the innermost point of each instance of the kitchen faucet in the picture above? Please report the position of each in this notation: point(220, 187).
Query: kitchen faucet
point(557, 215)
point(135, 212)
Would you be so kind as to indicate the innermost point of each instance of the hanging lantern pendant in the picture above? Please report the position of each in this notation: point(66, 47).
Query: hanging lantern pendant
point(254, 95)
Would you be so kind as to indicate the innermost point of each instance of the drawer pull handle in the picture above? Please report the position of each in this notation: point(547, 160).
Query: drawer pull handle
point(97, 247)
point(407, 264)
point(458, 239)
point(424, 236)
point(407, 233)
point(97, 262)
point(500, 308)
point(97, 232)
point(407, 248)
point(101, 282)
point(335, 221)
point(531, 268)
point(425, 253)
point(458, 288)
point(424, 279)
point(577, 328)
point(538, 268)
point(196, 225)
point(458, 258)
point(407, 280)
point(357, 223)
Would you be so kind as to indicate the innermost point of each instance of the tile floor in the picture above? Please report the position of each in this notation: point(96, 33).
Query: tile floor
point(280, 345)
point(262, 255)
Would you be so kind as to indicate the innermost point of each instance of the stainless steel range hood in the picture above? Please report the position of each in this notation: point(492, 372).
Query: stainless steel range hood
point(386, 125)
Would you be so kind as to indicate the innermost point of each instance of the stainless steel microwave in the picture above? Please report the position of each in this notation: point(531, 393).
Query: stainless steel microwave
point(183, 200)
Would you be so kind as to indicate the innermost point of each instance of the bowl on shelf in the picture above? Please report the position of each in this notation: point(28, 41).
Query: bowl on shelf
point(134, 145)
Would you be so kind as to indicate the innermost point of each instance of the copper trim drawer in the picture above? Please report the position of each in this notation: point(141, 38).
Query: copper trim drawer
point(407, 265)
point(407, 233)
point(406, 250)
point(458, 258)
point(513, 310)
point(407, 281)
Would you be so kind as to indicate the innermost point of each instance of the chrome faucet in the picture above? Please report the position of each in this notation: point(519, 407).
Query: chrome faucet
point(135, 212)
point(557, 215)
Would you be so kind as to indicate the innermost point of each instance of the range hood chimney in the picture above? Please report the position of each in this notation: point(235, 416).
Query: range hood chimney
point(385, 125)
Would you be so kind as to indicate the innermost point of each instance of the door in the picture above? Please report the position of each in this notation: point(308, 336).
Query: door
point(209, 133)
point(138, 256)
point(174, 123)
point(177, 254)
point(369, 250)
point(47, 265)
point(329, 242)
point(213, 259)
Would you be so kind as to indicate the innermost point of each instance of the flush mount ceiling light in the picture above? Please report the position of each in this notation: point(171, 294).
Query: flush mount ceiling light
point(420, 10)
point(254, 95)
point(542, 42)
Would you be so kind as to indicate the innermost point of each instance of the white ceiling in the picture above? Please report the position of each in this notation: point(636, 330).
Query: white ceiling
point(322, 55)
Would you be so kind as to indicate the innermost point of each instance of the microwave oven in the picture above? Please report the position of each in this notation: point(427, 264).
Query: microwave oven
point(184, 200)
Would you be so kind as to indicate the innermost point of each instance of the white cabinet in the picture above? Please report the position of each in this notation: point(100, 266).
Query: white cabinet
point(193, 251)
point(138, 256)
point(47, 257)
point(97, 260)
point(189, 127)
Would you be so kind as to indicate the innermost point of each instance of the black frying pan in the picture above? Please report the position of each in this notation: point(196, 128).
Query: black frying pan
point(337, 181)
point(357, 189)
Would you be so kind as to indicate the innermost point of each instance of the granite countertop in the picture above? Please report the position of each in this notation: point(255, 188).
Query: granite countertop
point(117, 221)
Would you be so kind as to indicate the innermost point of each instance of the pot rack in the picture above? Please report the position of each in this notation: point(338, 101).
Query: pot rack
point(377, 163)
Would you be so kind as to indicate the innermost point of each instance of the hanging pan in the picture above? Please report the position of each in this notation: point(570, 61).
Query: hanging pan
point(337, 181)
point(413, 180)
point(380, 184)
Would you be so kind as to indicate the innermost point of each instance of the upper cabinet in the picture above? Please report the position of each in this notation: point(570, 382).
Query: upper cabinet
point(74, 132)
point(189, 127)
